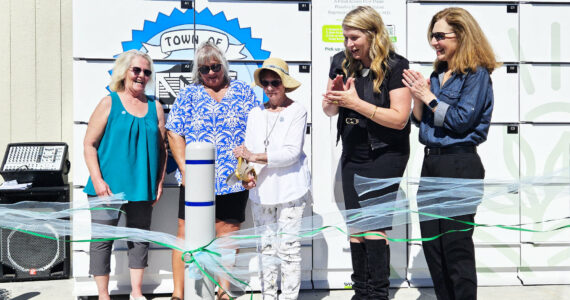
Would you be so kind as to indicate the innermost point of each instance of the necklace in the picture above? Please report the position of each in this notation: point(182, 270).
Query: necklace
point(267, 131)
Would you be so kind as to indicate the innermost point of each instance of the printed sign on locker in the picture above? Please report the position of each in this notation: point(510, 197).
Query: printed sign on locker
point(161, 29)
point(281, 27)
point(498, 22)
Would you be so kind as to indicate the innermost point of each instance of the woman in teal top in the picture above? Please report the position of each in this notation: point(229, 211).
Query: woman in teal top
point(125, 153)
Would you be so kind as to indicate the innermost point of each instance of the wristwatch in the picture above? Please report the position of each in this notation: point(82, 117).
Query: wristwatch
point(433, 104)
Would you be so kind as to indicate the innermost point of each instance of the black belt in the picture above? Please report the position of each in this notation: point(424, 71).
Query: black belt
point(352, 121)
point(449, 150)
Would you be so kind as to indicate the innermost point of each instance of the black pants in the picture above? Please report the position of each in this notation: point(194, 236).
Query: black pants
point(451, 258)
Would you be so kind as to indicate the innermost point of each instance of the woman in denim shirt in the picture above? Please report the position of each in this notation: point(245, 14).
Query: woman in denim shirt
point(453, 109)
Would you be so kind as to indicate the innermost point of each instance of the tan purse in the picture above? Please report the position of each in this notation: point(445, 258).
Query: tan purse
point(241, 173)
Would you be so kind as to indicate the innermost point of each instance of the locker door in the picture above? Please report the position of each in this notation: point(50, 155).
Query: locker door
point(103, 29)
point(505, 89)
point(502, 35)
point(545, 151)
point(544, 34)
point(498, 250)
point(506, 94)
point(544, 94)
point(262, 21)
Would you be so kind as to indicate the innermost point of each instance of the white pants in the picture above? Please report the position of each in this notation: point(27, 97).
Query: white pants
point(285, 218)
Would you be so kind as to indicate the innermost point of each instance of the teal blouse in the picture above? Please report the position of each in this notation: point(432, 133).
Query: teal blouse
point(129, 153)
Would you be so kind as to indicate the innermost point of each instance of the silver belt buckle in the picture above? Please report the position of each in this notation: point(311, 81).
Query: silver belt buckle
point(351, 121)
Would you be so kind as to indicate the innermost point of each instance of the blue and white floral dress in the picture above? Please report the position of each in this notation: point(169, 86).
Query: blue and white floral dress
point(198, 117)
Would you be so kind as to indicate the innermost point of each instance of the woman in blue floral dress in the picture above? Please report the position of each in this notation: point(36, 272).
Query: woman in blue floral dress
point(213, 109)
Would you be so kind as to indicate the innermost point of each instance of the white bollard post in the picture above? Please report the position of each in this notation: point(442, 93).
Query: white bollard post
point(200, 211)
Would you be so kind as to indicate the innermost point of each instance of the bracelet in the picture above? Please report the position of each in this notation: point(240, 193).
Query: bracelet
point(373, 113)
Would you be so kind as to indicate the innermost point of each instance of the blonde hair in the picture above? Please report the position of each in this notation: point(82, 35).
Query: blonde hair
point(368, 21)
point(473, 48)
point(204, 53)
point(122, 65)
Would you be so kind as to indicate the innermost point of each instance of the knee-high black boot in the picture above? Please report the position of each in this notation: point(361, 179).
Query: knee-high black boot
point(360, 271)
point(378, 266)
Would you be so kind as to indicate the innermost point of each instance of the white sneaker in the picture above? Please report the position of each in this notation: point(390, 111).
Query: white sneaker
point(136, 298)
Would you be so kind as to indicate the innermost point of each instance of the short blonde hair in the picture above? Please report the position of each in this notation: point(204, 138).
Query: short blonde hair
point(204, 53)
point(473, 48)
point(368, 20)
point(122, 65)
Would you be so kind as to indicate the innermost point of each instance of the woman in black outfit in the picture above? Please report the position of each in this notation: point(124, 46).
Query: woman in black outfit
point(366, 90)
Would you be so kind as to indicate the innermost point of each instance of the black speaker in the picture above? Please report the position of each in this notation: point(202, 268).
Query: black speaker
point(25, 256)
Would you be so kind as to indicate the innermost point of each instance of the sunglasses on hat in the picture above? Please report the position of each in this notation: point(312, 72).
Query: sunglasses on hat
point(206, 69)
point(274, 83)
point(138, 70)
point(438, 36)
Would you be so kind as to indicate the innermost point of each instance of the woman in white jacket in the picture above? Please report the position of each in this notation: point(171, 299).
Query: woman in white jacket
point(274, 141)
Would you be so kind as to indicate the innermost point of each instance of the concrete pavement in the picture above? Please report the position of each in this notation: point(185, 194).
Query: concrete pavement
point(63, 289)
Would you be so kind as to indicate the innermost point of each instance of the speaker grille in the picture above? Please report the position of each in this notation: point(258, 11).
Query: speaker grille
point(28, 253)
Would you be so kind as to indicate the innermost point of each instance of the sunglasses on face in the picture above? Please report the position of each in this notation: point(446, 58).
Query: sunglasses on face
point(438, 36)
point(274, 83)
point(206, 69)
point(138, 70)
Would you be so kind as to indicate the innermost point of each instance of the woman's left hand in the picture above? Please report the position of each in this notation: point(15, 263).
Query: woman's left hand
point(158, 192)
point(347, 98)
point(418, 85)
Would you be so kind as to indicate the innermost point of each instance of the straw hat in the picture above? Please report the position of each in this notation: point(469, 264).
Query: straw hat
point(280, 67)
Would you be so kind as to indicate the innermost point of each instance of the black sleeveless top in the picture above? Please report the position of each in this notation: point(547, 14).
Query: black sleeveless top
point(368, 135)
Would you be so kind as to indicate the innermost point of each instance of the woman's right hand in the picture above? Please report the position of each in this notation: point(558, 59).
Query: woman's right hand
point(252, 182)
point(418, 85)
point(101, 188)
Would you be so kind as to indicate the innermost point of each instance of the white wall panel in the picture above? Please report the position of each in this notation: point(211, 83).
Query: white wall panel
point(544, 93)
point(500, 27)
point(80, 171)
point(544, 32)
point(266, 21)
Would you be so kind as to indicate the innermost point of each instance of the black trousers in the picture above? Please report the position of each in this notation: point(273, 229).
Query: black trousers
point(451, 258)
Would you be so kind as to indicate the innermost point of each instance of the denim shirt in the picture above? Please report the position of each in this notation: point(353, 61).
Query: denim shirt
point(463, 115)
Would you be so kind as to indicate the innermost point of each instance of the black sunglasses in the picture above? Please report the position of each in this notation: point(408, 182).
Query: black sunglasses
point(440, 35)
point(138, 70)
point(206, 69)
point(274, 83)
